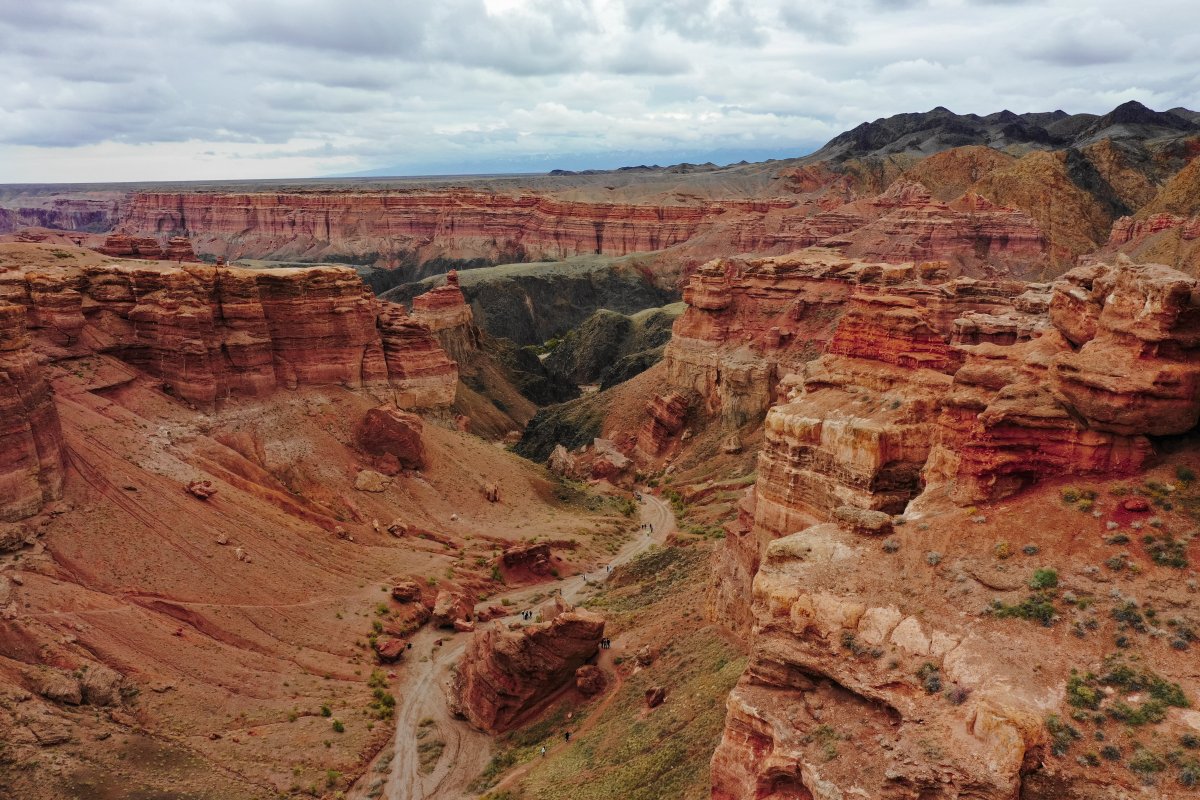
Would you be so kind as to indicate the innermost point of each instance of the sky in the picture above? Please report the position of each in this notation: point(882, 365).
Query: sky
point(137, 90)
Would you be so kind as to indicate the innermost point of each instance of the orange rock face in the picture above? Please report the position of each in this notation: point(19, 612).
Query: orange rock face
point(504, 673)
point(387, 433)
point(968, 390)
point(211, 333)
point(31, 443)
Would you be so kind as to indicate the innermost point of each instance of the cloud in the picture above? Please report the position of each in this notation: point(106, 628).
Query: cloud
point(253, 88)
point(1084, 41)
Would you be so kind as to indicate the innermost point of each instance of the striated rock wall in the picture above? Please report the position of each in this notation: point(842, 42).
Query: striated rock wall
point(211, 333)
point(460, 224)
point(968, 391)
point(122, 245)
point(31, 442)
point(62, 213)
point(506, 672)
point(749, 321)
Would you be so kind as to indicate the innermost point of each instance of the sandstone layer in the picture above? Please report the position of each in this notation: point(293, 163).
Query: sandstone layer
point(31, 441)
point(504, 673)
point(214, 333)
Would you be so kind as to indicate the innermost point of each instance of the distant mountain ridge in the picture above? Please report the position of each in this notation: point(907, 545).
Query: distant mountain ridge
point(930, 132)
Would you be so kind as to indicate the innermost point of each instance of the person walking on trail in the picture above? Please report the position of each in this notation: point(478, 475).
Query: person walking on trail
point(543, 751)
point(566, 736)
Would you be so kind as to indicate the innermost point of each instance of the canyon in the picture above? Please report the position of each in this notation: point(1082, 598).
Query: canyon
point(900, 501)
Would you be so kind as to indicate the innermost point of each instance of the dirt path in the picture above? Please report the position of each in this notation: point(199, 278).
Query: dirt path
point(420, 692)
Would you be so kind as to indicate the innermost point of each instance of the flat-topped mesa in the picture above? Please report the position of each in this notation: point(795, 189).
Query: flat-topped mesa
point(31, 441)
point(505, 673)
point(212, 333)
point(444, 311)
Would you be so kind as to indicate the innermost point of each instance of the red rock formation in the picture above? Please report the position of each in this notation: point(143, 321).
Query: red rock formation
point(1003, 428)
point(456, 223)
point(666, 417)
point(505, 673)
point(750, 321)
point(123, 245)
point(445, 312)
point(1140, 372)
point(31, 443)
point(387, 433)
point(421, 373)
point(213, 332)
point(450, 606)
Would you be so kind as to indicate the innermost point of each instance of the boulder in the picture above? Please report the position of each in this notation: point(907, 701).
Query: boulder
point(387, 431)
point(590, 680)
point(864, 521)
point(406, 591)
point(655, 696)
point(450, 606)
point(369, 480)
point(390, 649)
point(101, 686)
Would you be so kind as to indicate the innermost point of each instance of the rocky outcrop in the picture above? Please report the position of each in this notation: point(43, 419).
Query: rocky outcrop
point(969, 391)
point(749, 322)
point(420, 372)
point(506, 672)
point(862, 418)
point(666, 416)
point(393, 438)
point(211, 333)
point(444, 311)
point(123, 245)
point(1120, 364)
point(828, 669)
point(31, 443)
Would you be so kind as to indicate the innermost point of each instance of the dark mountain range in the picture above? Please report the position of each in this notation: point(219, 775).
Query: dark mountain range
point(941, 129)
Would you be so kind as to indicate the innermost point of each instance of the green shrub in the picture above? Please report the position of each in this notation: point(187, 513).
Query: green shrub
point(1038, 607)
point(1044, 579)
point(1062, 735)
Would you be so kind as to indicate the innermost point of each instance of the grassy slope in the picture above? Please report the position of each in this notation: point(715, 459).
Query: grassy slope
point(620, 749)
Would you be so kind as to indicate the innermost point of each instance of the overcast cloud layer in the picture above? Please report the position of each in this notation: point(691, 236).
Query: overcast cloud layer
point(101, 90)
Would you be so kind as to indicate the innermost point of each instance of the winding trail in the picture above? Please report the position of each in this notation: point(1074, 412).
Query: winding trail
point(421, 688)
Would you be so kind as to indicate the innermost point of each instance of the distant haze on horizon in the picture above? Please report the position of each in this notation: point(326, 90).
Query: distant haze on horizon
point(133, 90)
